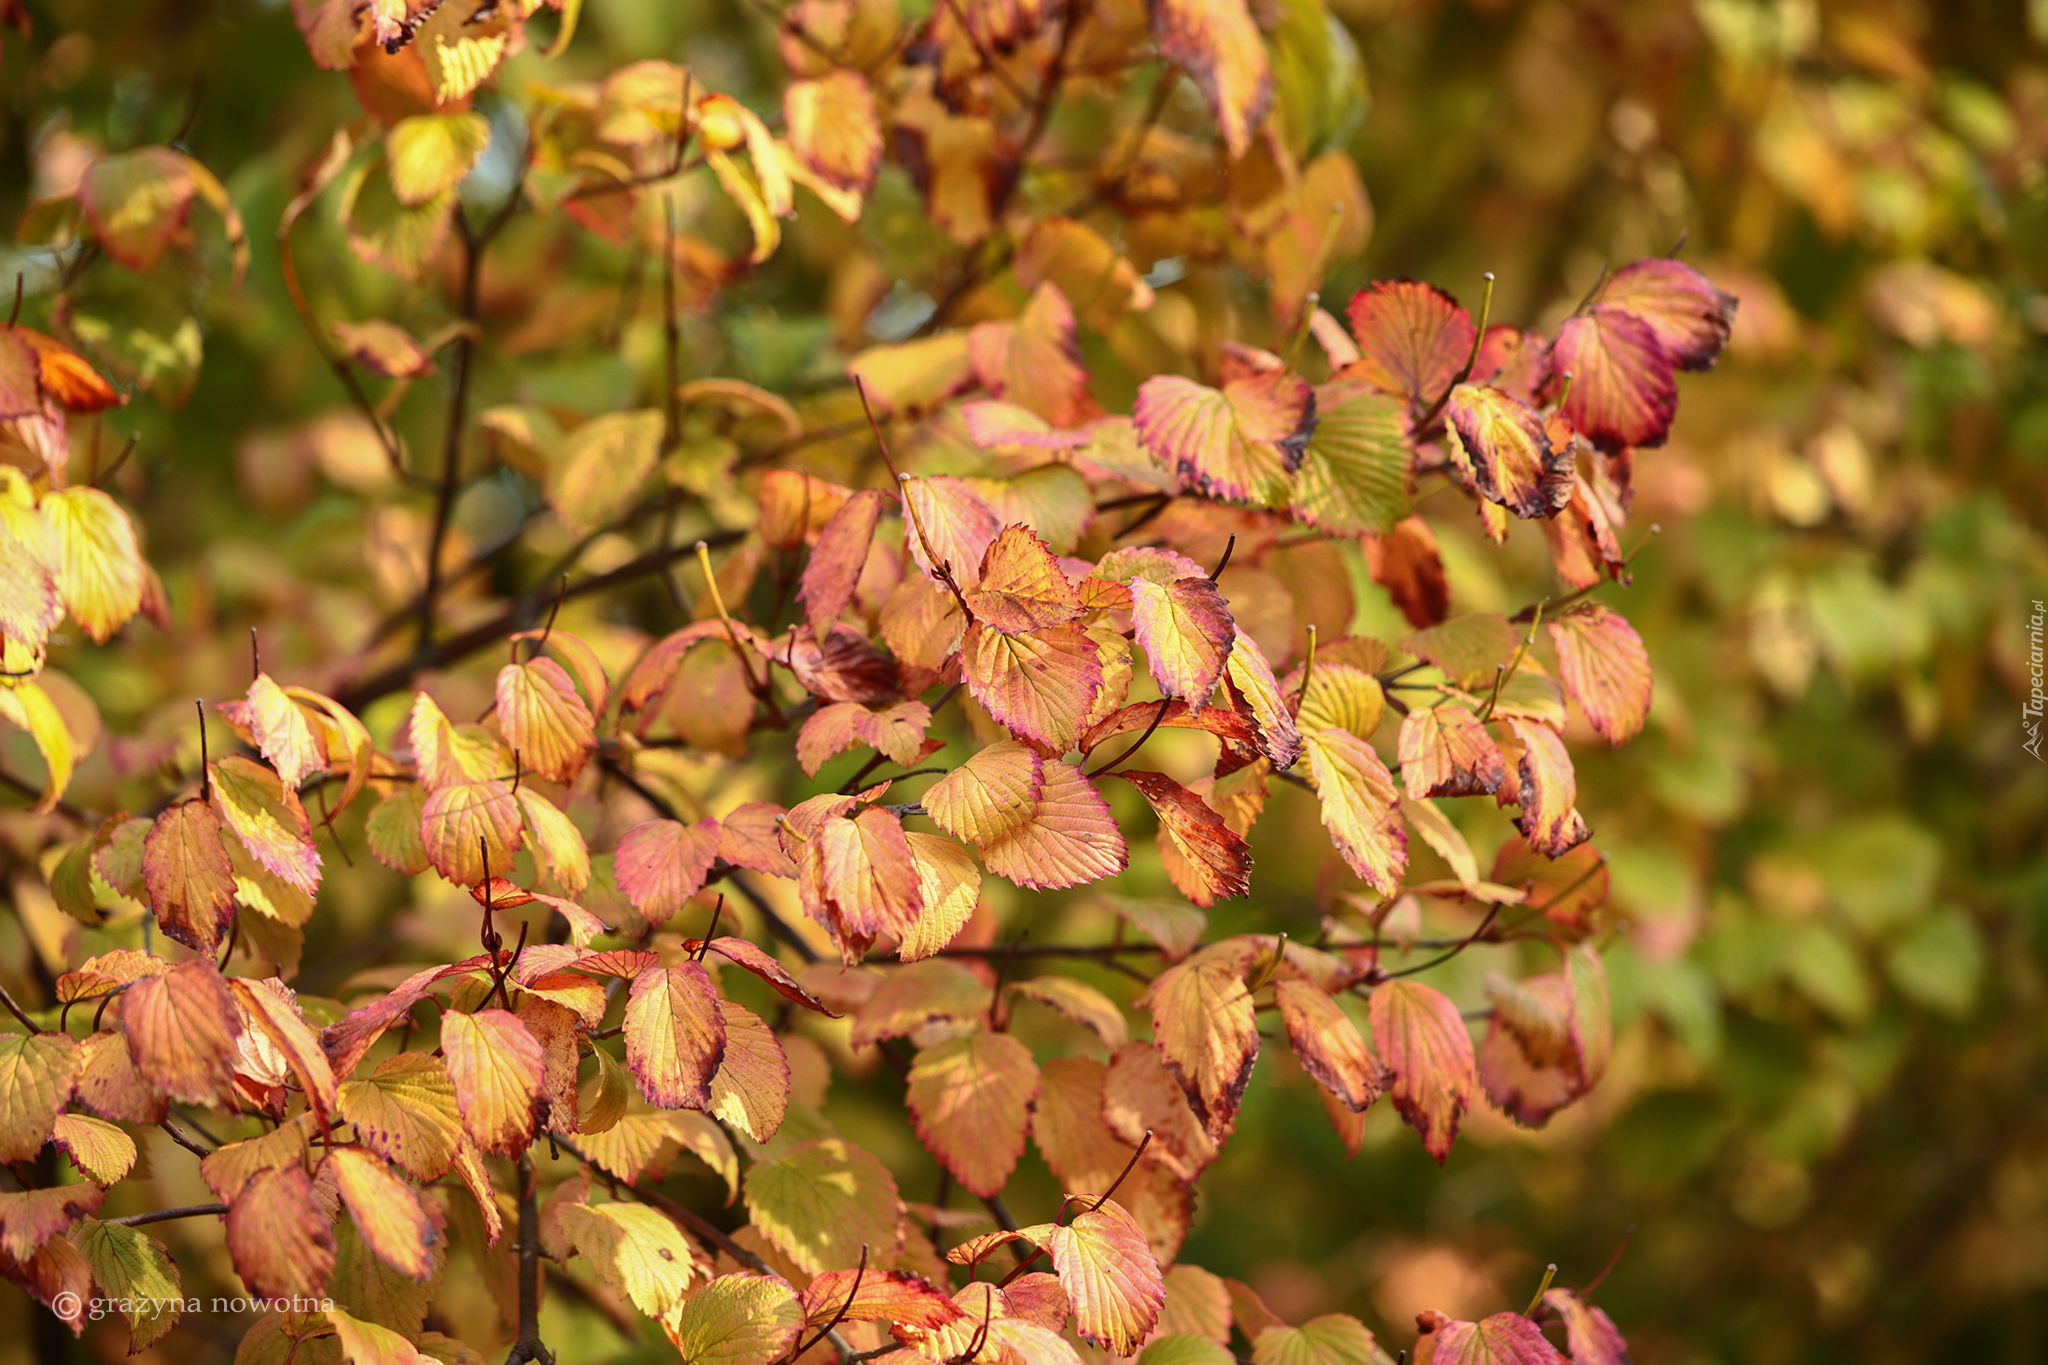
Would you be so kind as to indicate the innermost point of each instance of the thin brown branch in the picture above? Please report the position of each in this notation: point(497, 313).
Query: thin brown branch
point(136, 1220)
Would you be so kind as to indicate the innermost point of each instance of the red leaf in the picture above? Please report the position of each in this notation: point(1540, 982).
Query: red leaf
point(1412, 339)
point(1022, 588)
point(1423, 1041)
point(1186, 631)
point(1240, 442)
point(1623, 390)
point(661, 864)
point(1546, 790)
point(1405, 562)
point(1329, 1046)
point(185, 868)
point(1040, 686)
point(1514, 461)
point(1690, 317)
point(1216, 863)
point(1589, 1333)
point(837, 559)
point(1445, 751)
point(1503, 1339)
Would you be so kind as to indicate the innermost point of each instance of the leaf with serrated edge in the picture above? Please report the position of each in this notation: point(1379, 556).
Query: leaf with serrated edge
point(272, 1007)
point(1503, 1339)
point(469, 828)
point(1110, 1275)
point(1220, 46)
point(675, 1035)
point(1513, 461)
point(387, 1212)
point(406, 1112)
point(662, 863)
point(1589, 1333)
point(751, 1089)
point(1332, 1339)
point(949, 884)
point(1623, 392)
point(971, 1099)
point(100, 573)
point(546, 723)
point(1040, 686)
point(890, 1296)
point(1328, 1045)
point(1215, 862)
point(920, 994)
point(1252, 675)
point(635, 1250)
point(989, 795)
point(1445, 751)
point(136, 1271)
point(283, 734)
point(181, 1029)
point(99, 1149)
point(1413, 339)
point(36, 1074)
point(279, 1235)
point(187, 876)
point(1080, 1002)
point(1071, 838)
point(1360, 806)
point(495, 1064)
point(268, 819)
point(1204, 1027)
point(1356, 477)
point(1241, 442)
point(1423, 1041)
point(1186, 631)
point(1022, 588)
point(956, 521)
point(1604, 668)
point(1690, 317)
point(1546, 790)
point(740, 1319)
point(836, 560)
point(820, 1201)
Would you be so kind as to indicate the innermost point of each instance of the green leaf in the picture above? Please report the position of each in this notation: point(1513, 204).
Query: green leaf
point(431, 153)
point(737, 1320)
point(137, 1270)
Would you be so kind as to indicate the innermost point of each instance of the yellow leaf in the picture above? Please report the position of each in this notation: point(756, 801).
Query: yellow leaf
point(36, 1071)
point(386, 1211)
point(820, 1201)
point(635, 1250)
point(431, 153)
point(27, 705)
point(496, 1067)
point(737, 1320)
point(99, 569)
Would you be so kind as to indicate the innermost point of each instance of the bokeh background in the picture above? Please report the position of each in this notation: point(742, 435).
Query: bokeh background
point(1827, 1121)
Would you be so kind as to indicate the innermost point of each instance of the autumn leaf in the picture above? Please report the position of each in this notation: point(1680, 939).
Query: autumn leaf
point(495, 1065)
point(1546, 789)
point(100, 572)
point(429, 154)
point(267, 817)
point(1690, 318)
point(1332, 1339)
point(971, 1099)
point(387, 1212)
point(36, 1074)
point(1040, 686)
point(602, 465)
point(1470, 649)
point(751, 1088)
point(662, 863)
point(1423, 1041)
point(1445, 751)
point(1204, 1028)
point(1604, 668)
point(836, 560)
point(917, 995)
point(1070, 839)
point(1080, 1002)
point(635, 1250)
point(833, 128)
point(741, 1319)
point(469, 829)
point(181, 1029)
point(890, 1296)
point(1215, 862)
point(406, 1112)
point(137, 1270)
point(957, 523)
point(1623, 390)
point(1513, 460)
point(1216, 42)
point(858, 878)
point(1360, 806)
point(949, 884)
point(1356, 476)
point(819, 1202)
point(1110, 1275)
point(994, 792)
point(675, 1035)
point(271, 1008)
point(1413, 338)
point(279, 1236)
point(1407, 563)
point(544, 720)
point(187, 876)
point(1503, 1339)
point(1329, 1046)
point(1034, 360)
point(1186, 631)
point(1022, 588)
point(1589, 1333)
point(1242, 442)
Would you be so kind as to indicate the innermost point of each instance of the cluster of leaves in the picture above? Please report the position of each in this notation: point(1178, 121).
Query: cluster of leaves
point(1053, 588)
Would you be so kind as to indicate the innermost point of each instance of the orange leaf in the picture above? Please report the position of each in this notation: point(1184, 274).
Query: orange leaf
point(833, 128)
point(1215, 863)
point(1040, 686)
point(181, 1029)
point(920, 994)
point(1412, 339)
point(1361, 806)
point(1034, 361)
point(858, 878)
point(274, 1008)
point(971, 1098)
point(950, 886)
point(1424, 1043)
point(1445, 751)
point(387, 1212)
point(1140, 1094)
point(1329, 1046)
point(890, 1296)
point(1080, 1002)
point(495, 1063)
point(1546, 789)
point(1204, 1027)
point(279, 1234)
point(749, 839)
point(994, 792)
point(1022, 588)
point(751, 1089)
point(1604, 668)
point(186, 873)
point(836, 560)
point(1070, 839)
point(1252, 675)
point(1216, 42)
point(547, 724)
point(1405, 562)
point(675, 1035)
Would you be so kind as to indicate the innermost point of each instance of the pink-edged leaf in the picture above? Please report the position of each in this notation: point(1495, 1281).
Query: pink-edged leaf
point(496, 1065)
point(1503, 1339)
point(1514, 462)
point(1361, 806)
point(836, 560)
point(756, 960)
point(544, 720)
point(1240, 442)
point(1546, 790)
point(1690, 317)
point(1041, 686)
point(661, 864)
point(1604, 668)
point(1071, 838)
point(1445, 751)
point(750, 839)
point(1589, 1334)
point(1111, 1277)
point(1329, 1046)
point(1186, 631)
point(1034, 360)
point(955, 520)
point(1215, 862)
point(1022, 588)
point(675, 1035)
point(971, 1098)
point(1423, 1041)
